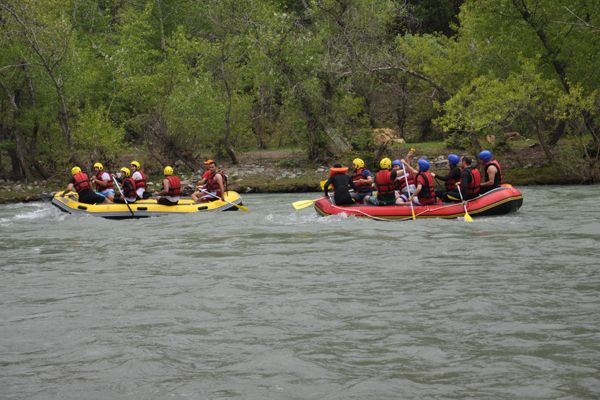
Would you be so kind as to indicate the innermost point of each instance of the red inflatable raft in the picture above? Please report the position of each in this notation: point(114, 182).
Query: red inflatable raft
point(500, 201)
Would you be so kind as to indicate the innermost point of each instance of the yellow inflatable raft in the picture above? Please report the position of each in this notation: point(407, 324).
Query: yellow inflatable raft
point(68, 202)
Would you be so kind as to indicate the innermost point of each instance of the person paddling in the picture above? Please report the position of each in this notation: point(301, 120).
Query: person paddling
point(470, 179)
point(128, 186)
point(140, 180)
point(216, 180)
point(451, 178)
point(424, 193)
point(341, 182)
point(103, 181)
point(384, 180)
point(362, 179)
point(171, 188)
point(82, 185)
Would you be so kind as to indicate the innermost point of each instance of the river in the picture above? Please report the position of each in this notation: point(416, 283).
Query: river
point(283, 304)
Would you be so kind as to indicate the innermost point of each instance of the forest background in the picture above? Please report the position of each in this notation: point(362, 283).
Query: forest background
point(178, 81)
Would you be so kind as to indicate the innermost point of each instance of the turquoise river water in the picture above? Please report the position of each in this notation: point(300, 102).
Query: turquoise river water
point(283, 304)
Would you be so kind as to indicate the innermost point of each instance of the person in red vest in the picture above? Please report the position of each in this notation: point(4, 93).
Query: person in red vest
point(450, 178)
point(469, 182)
point(216, 181)
point(198, 194)
point(82, 185)
point(362, 179)
point(384, 180)
point(140, 180)
point(492, 172)
point(103, 181)
point(424, 193)
point(127, 186)
point(171, 188)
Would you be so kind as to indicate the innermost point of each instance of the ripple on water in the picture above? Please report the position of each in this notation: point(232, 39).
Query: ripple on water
point(277, 303)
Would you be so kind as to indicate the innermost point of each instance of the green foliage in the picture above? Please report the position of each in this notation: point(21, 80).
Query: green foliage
point(186, 79)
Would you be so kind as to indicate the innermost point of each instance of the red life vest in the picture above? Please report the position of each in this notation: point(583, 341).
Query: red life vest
point(129, 192)
point(427, 193)
point(142, 182)
point(409, 177)
point(451, 182)
point(363, 186)
point(100, 188)
point(213, 186)
point(81, 182)
point(473, 185)
point(498, 178)
point(174, 186)
point(385, 185)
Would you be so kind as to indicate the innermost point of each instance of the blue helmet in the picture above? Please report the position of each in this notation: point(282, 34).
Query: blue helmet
point(453, 159)
point(397, 162)
point(485, 155)
point(423, 165)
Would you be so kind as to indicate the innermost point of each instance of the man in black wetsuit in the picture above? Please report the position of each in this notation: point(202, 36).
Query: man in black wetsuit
point(341, 183)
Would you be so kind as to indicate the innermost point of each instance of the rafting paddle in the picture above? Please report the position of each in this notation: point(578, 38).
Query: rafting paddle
point(122, 195)
point(412, 208)
point(243, 208)
point(300, 204)
point(467, 216)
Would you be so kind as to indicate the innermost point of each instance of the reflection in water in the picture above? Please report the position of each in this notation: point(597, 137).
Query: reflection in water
point(277, 304)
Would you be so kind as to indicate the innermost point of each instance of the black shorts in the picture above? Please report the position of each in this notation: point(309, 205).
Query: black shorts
point(88, 196)
point(166, 202)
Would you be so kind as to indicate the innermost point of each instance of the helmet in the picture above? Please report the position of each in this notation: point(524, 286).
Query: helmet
point(136, 164)
point(126, 172)
point(423, 165)
point(485, 155)
point(358, 163)
point(75, 170)
point(168, 170)
point(396, 162)
point(453, 159)
point(99, 166)
point(385, 163)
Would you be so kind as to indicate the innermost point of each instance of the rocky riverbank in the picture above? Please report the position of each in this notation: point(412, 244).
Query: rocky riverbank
point(289, 171)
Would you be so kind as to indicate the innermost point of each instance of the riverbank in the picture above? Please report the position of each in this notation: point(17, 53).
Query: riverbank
point(281, 171)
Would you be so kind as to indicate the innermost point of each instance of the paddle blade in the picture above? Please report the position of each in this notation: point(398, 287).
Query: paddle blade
point(322, 185)
point(243, 208)
point(298, 205)
point(468, 217)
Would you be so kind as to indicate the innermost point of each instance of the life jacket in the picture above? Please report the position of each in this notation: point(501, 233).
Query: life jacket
point(213, 186)
point(174, 186)
point(385, 185)
point(451, 182)
point(427, 190)
point(473, 185)
point(109, 184)
point(129, 192)
point(410, 177)
point(81, 182)
point(363, 187)
point(498, 179)
point(142, 182)
point(333, 171)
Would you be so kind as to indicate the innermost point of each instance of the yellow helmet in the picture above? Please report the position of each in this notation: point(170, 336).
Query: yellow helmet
point(358, 163)
point(99, 166)
point(126, 172)
point(168, 170)
point(75, 170)
point(385, 163)
point(136, 164)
